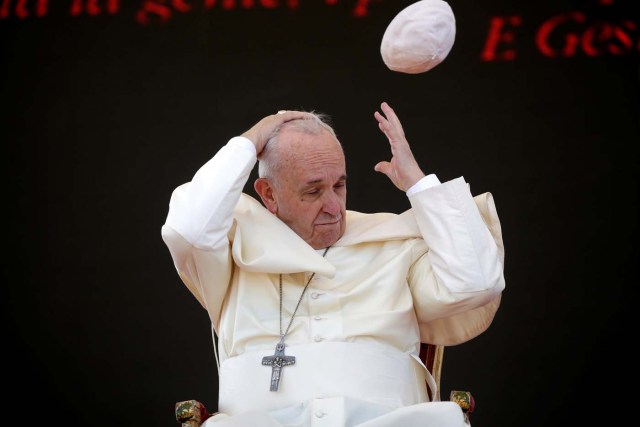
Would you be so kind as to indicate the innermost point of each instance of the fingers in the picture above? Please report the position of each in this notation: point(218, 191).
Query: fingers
point(387, 110)
point(383, 167)
point(389, 123)
point(260, 133)
point(402, 169)
point(389, 115)
point(287, 115)
point(284, 116)
point(383, 124)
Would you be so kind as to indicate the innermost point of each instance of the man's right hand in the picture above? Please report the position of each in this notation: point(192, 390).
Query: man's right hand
point(260, 133)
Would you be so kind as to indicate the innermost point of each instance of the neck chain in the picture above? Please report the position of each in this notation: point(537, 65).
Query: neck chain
point(279, 360)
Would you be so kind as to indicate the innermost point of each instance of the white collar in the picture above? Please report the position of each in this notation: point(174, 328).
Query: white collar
point(274, 248)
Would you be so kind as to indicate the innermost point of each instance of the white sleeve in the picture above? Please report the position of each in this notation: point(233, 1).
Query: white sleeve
point(201, 211)
point(462, 251)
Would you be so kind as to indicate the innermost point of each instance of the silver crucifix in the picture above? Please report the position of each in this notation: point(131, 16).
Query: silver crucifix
point(277, 362)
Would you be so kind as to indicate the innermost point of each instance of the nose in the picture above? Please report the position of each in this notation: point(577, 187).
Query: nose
point(332, 204)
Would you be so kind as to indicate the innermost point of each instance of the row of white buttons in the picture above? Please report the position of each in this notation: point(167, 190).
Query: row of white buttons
point(317, 338)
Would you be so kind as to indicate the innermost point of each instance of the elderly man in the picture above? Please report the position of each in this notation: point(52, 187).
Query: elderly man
point(319, 310)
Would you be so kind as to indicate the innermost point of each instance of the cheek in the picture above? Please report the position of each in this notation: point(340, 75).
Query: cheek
point(300, 211)
point(309, 213)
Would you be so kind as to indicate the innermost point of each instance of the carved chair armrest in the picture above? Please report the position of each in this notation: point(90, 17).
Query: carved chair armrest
point(465, 400)
point(191, 413)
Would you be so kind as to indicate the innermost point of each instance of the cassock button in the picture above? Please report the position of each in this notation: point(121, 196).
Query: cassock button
point(317, 318)
point(315, 295)
point(320, 414)
point(318, 338)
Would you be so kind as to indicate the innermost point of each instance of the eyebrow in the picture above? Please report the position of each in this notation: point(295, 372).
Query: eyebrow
point(316, 181)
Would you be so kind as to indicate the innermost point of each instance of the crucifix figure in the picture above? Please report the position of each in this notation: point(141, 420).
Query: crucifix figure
point(277, 361)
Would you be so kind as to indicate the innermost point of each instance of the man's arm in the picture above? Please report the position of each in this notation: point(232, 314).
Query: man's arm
point(200, 216)
point(201, 210)
point(460, 269)
point(462, 266)
point(201, 213)
point(450, 316)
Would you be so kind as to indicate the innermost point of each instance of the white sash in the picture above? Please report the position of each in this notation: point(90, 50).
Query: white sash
point(378, 374)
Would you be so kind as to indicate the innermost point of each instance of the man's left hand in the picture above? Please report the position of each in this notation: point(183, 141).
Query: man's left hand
point(402, 169)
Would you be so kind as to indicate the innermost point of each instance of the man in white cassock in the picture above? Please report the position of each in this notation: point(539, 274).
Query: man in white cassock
point(319, 310)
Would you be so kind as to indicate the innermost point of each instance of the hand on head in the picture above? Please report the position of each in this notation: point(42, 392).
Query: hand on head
point(260, 133)
point(402, 169)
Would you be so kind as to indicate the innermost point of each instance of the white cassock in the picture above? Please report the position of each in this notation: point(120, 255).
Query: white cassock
point(431, 274)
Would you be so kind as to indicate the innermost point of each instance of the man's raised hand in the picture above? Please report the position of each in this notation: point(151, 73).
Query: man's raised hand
point(402, 169)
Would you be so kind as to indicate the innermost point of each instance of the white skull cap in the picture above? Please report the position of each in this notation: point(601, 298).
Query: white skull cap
point(419, 37)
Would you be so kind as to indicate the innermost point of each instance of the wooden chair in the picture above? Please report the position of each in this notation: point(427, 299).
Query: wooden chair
point(192, 413)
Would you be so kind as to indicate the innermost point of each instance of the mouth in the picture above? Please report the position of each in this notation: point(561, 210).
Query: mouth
point(333, 222)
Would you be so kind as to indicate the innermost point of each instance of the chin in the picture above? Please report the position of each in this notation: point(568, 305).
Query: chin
point(326, 235)
point(328, 240)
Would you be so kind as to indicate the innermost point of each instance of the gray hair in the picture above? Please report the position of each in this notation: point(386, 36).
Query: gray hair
point(269, 159)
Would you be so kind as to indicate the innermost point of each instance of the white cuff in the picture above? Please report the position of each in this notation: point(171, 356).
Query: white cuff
point(428, 181)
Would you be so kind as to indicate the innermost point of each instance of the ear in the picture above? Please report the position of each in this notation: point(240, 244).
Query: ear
point(267, 194)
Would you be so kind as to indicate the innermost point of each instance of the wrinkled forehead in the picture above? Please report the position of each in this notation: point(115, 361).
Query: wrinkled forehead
point(296, 144)
point(325, 170)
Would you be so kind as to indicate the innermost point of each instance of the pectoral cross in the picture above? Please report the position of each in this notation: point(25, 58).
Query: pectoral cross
point(277, 362)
